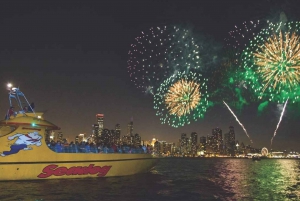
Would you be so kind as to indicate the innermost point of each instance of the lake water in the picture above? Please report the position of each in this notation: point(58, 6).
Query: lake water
point(174, 179)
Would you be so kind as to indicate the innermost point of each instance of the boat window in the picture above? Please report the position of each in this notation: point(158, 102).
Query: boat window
point(84, 147)
point(62, 146)
point(4, 130)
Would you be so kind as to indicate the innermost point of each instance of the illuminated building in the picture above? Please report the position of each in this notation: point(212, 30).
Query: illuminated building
point(100, 122)
point(194, 141)
point(162, 147)
point(52, 135)
point(174, 149)
point(153, 141)
point(60, 136)
point(168, 148)
point(209, 145)
point(231, 134)
point(183, 143)
point(113, 138)
point(117, 133)
point(129, 136)
point(156, 147)
point(137, 140)
point(106, 137)
point(217, 143)
point(130, 128)
point(202, 140)
point(76, 139)
point(81, 137)
point(202, 145)
point(96, 132)
point(146, 142)
point(229, 142)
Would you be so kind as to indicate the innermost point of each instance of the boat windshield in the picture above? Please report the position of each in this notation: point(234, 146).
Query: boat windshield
point(5, 130)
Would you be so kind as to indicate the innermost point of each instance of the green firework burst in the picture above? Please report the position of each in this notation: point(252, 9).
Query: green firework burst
point(181, 98)
point(272, 63)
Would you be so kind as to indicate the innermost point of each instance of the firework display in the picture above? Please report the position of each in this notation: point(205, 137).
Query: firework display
point(180, 98)
point(228, 74)
point(158, 53)
point(239, 38)
point(186, 73)
point(272, 63)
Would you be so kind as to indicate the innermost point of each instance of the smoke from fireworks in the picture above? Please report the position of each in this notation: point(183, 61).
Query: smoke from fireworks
point(283, 110)
point(238, 121)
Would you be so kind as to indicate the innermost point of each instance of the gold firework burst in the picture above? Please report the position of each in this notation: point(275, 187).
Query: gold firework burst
point(182, 97)
point(278, 61)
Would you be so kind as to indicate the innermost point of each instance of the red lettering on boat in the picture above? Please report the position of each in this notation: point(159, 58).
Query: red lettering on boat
point(76, 170)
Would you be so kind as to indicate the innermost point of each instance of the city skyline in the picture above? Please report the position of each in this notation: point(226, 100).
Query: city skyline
point(225, 136)
point(71, 61)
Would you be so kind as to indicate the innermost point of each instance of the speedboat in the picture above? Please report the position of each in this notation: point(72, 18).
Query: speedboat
point(25, 154)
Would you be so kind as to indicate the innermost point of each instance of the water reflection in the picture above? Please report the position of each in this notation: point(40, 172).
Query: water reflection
point(262, 180)
point(175, 179)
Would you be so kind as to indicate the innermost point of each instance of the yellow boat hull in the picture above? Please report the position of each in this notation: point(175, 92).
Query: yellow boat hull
point(24, 157)
point(74, 169)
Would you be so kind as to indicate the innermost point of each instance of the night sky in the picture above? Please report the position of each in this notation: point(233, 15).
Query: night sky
point(70, 59)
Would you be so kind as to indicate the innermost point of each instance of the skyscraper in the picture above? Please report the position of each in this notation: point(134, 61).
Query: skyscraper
point(203, 140)
point(217, 140)
point(129, 135)
point(137, 140)
point(100, 122)
point(194, 141)
point(210, 145)
point(96, 131)
point(232, 139)
point(183, 143)
point(231, 134)
point(229, 141)
point(98, 127)
point(106, 137)
point(117, 133)
point(130, 128)
point(203, 144)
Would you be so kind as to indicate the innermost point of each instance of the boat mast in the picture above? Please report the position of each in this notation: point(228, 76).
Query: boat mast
point(15, 93)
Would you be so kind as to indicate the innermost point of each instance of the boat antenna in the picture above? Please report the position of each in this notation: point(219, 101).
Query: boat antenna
point(16, 94)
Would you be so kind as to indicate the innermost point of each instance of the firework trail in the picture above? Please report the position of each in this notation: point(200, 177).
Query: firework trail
point(238, 121)
point(279, 121)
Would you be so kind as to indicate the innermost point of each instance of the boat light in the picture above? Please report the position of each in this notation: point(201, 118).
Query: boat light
point(39, 117)
point(33, 124)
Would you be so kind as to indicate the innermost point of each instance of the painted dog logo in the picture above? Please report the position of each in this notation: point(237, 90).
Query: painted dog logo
point(23, 142)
